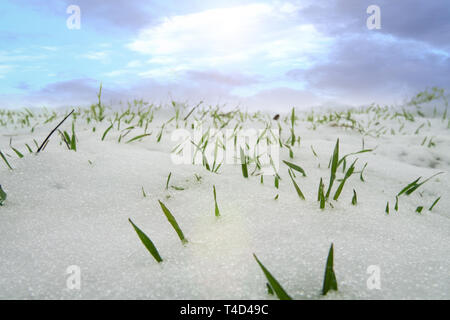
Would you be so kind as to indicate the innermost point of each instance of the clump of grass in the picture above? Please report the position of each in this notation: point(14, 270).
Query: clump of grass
point(173, 222)
point(329, 282)
point(273, 283)
point(44, 143)
point(70, 140)
point(216, 207)
point(413, 186)
point(3, 196)
point(147, 242)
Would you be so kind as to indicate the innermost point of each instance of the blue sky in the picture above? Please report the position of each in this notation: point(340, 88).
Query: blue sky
point(259, 54)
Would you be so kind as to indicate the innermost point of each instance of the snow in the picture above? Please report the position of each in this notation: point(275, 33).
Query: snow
point(71, 208)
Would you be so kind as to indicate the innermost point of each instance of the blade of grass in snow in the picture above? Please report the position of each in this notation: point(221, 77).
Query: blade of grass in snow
point(216, 207)
point(147, 242)
point(6, 161)
point(295, 167)
point(106, 132)
point(299, 192)
point(413, 186)
point(44, 143)
point(168, 179)
point(419, 209)
point(341, 185)
point(354, 199)
point(138, 137)
point(396, 203)
point(29, 149)
point(361, 174)
point(244, 164)
point(173, 222)
point(329, 282)
point(269, 289)
point(20, 155)
point(387, 208)
point(434, 203)
point(277, 288)
point(3, 195)
point(334, 166)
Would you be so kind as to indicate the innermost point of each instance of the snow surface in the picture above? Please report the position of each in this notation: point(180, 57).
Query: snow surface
point(71, 208)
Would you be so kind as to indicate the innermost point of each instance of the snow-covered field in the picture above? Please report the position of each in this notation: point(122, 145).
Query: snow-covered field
point(71, 208)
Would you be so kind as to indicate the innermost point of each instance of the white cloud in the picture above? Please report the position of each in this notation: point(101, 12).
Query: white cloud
point(255, 37)
point(99, 55)
point(4, 69)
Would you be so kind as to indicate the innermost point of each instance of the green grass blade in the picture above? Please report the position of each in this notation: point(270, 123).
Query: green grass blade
point(28, 147)
point(20, 155)
point(168, 179)
point(6, 161)
point(299, 192)
point(173, 222)
point(106, 132)
point(329, 282)
point(434, 203)
point(3, 195)
point(412, 184)
point(341, 185)
point(147, 242)
point(334, 166)
point(277, 288)
point(217, 213)
point(414, 188)
point(295, 167)
point(138, 137)
point(244, 164)
point(355, 198)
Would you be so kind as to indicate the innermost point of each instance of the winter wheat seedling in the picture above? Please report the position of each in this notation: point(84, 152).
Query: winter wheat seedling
point(173, 222)
point(329, 282)
point(6, 161)
point(2, 196)
point(147, 242)
point(299, 192)
point(434, 203)
point(274, 284)
point(216, 207)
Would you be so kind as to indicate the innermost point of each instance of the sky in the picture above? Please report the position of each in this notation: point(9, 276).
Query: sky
point(271, 55)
